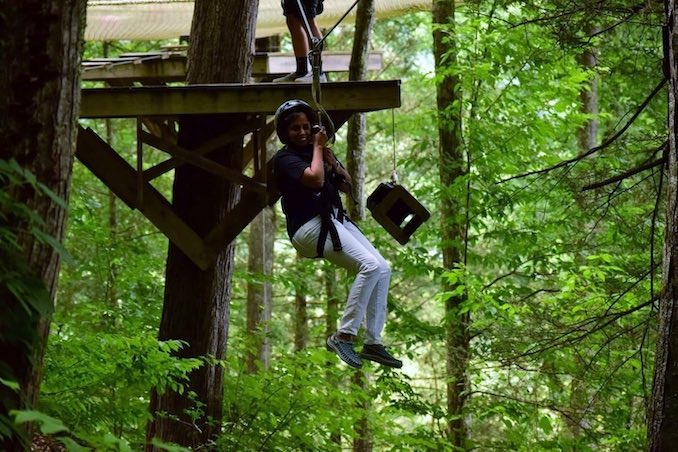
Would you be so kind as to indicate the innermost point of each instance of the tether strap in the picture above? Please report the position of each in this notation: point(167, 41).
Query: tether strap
point(327, 227)
point(326, 224)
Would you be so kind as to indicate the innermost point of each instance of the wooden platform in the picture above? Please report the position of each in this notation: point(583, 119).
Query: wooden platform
point(125, 102)
point(167, 66)
point(158, 109)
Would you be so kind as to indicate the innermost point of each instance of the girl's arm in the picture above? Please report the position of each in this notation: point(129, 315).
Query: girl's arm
point(314, 176)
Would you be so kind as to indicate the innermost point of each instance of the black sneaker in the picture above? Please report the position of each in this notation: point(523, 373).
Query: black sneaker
point(379, 354)
point(344, 350)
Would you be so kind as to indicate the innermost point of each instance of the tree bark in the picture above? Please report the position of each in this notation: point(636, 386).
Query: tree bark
point(260, 262)
point(355, 135)
point(42, 49)
point(260, 293)
point(355, 163)
point(451, 162)
point(196, 305)
point(663, 410)
point(331, 320)
point(300, 313)
point(112, 275)
point(588, 97)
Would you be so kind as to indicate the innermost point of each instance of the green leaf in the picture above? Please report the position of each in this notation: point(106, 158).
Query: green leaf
point(545, 424)
point(13, 385)
point(71, 445)
point(48, 424)
point(54, 243)
point(119, 443)
point(170, 447)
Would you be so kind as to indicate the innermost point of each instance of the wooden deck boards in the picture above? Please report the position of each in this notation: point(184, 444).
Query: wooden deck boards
point(121, 102)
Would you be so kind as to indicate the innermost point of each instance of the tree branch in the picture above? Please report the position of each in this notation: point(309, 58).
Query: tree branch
point(549, 406)
point(600, 147)
point(625, 175)
point(565, 339)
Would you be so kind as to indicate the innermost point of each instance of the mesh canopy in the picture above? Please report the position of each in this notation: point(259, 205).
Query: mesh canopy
point(109, 20)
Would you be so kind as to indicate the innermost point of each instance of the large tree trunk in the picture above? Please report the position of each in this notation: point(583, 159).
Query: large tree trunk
point(663, 415)
point(453, 224)
point(196, 306)
point(40, 81)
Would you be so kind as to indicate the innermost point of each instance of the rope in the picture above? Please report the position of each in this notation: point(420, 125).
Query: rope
point(315, 58)
point(394, 173)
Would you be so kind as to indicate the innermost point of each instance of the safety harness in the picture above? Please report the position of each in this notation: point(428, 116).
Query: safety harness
point(328, 198)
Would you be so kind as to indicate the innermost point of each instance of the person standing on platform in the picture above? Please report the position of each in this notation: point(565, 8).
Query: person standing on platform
point(300, 39)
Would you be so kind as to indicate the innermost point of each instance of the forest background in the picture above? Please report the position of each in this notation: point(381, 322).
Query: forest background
point(560, 273)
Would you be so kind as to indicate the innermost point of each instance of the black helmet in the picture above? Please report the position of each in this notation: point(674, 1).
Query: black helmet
point(288, 107)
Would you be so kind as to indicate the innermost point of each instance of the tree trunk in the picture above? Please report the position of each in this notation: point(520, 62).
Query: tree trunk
point(355, 163)
point(260, 262)
point(331, 319)
point(588, 97)
point(42, 48)
point(355, 135)
point(663, 415)
point(587, 137)
point(453, 224)
point(260, 293)
point(362, 439)
point(300, 313)
point(196, 305)
point(112, 275)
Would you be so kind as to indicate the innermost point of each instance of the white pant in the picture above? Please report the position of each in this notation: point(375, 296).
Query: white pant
point(368, 295)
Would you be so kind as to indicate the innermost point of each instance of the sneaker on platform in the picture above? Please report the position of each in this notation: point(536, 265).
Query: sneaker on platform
point(289, 78)
point(308, 78)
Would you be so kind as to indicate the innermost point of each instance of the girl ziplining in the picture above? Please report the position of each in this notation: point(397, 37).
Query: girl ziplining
point(309, 178)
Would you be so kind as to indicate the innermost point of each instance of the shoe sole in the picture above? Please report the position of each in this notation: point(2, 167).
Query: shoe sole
point(380, 360)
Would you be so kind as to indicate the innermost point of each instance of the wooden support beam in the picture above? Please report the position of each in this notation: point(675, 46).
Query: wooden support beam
point(211, 145)
point(251, 203)
point(120, 177)
point(264, 98)
point(201, 162)
point(248, 152)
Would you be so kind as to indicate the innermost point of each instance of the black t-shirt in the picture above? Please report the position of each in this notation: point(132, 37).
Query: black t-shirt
point(299, 202)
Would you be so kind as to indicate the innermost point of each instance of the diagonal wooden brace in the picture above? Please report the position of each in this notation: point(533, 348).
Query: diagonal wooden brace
point(121, 178)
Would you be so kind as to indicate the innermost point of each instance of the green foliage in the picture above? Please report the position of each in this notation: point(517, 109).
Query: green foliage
point(558, 282)
point(101, 383)
point(54, 428)
point(306, 401)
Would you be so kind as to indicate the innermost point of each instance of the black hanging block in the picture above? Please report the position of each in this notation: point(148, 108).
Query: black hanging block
point(397, 211)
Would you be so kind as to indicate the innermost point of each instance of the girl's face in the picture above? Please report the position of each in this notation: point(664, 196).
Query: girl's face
point(299, 130)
